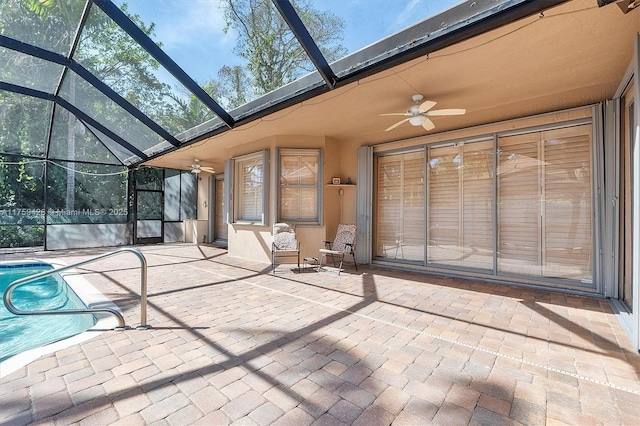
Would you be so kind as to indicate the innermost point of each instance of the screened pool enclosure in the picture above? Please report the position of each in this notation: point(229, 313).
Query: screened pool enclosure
point(90, 90)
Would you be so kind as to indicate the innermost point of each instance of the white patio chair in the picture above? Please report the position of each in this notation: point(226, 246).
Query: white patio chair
point(343, 244)
point(284, 244)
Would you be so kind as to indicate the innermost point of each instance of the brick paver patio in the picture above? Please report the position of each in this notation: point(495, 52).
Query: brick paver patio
point(231, 343)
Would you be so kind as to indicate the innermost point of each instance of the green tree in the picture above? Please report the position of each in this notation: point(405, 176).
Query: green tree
point(188, 111)
point(235, 86)
point(117, 60)
point(21, 201)
point(274, 58)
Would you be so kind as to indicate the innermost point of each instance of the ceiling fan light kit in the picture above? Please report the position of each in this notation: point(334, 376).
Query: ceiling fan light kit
point(417, 120)
point(418, 114)
point(196, 168)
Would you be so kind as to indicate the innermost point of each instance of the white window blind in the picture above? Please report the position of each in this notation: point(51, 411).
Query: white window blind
point(568, 204)
point(545, 204)
point(400, 206)
point(460, 206)
point(250, 188)
point(299, 185)
point(519, 168)
point(526, 209)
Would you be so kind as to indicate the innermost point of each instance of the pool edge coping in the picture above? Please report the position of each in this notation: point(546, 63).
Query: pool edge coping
point(89, 295)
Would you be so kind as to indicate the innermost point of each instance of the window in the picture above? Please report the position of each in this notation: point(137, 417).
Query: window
point(250, 200)
point(300, 187)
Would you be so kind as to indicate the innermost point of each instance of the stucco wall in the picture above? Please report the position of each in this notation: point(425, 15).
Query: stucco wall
point(203, 196)
point(254, 242)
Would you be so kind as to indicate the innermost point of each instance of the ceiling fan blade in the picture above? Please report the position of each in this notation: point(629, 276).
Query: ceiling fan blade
point(452, 111)
point(396, 113)
point(397, 124)
point(428, 124)
point(208, 169)
point(427, 105)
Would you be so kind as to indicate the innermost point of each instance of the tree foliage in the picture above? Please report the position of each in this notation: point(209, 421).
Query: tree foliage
point(273, 55)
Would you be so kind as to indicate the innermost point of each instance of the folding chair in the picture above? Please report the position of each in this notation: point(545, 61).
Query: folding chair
point(284, 244)
point(343, 244)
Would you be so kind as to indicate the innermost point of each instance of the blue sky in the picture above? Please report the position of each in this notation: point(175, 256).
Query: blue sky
point(191, 31)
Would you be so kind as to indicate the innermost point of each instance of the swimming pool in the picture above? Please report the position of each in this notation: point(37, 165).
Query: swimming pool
point(25, 338)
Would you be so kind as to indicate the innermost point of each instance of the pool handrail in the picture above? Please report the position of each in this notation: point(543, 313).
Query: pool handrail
point(121, 323)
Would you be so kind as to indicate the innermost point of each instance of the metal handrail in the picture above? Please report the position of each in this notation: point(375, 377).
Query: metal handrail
point(121, 324)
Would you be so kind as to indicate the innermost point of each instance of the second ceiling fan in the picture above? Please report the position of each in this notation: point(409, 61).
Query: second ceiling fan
point(418, 114)
point(196, 167)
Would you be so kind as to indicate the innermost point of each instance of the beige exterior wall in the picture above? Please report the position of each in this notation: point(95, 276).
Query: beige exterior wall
point(339, 202)
point(203, 196)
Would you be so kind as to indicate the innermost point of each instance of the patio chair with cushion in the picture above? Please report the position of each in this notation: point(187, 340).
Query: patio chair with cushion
point(344, 244)
point(284, 244)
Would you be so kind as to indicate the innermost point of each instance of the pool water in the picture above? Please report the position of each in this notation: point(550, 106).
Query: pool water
point(19, 333)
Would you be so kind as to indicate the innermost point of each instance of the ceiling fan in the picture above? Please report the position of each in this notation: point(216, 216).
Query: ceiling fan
point(197, 168)
point(418, 115)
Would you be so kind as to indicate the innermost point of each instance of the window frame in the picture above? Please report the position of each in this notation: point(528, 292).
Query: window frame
point(235, 186)
point(319, 153)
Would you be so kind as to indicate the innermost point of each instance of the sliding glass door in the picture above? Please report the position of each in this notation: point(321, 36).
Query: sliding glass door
point(545, 204)
point(517, 204)
point(628, 197)
point(460, 206)
point(400, 208)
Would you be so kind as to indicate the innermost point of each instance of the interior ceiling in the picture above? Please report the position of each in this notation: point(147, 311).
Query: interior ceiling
point(571, 55)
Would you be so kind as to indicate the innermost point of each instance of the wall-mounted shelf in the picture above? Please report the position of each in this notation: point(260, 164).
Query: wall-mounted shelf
point(342, 185)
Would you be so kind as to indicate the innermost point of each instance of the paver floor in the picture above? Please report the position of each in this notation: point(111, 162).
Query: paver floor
point(232, 343)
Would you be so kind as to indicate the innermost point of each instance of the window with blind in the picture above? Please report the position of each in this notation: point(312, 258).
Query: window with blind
point(400, 206)
point(250, 187)
point(460, 205)
point(545, 204)
point(300, 187)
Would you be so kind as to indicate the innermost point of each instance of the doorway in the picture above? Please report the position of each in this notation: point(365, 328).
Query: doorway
point(148, 206)
point(148, 216)
point(218, 228)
